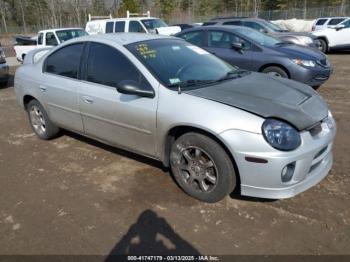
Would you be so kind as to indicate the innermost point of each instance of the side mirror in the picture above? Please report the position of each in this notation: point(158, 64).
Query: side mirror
point(130, 87)
point(340, 27)
point(263, 30)
point(237, 46)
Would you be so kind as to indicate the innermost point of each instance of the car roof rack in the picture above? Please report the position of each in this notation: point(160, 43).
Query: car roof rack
point(229, 17)
point(91, 17)
point(147, 14)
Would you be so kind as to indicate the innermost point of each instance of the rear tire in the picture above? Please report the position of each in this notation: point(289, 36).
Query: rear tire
point(40, 122)
point(324, 45)
point(276, 71)
point(202, 168)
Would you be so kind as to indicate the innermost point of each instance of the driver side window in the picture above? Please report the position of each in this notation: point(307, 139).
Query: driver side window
point(51, 39)
point(107, 66)
point(220, 39)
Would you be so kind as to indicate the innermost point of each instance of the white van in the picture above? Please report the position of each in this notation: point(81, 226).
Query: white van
point(132, 23)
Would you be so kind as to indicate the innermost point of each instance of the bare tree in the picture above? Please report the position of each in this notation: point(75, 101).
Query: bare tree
point(3, 14)
point(23, 18)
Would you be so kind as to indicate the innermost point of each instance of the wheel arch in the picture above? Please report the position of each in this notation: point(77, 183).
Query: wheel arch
point(276, 65)
point(177, 131)
point(27, 99)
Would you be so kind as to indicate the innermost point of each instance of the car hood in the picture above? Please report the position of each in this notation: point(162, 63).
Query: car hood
point(269, 96)
point(300, 52)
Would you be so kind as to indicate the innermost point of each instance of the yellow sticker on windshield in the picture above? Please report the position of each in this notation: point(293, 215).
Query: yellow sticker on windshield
point(144, 51)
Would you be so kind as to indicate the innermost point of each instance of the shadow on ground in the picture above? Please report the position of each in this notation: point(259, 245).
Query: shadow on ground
point(151, 234)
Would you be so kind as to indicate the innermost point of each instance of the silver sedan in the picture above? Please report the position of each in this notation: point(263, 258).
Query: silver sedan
point(217, 127)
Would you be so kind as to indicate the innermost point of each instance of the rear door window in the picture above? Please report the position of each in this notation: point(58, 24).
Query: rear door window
point(321, 21)
point(135, 26)
point(335, 21)
point(40, 39)
point(65, 61)
point(119, 27)
point(109, 27)
point(233, 23)
point(253, 25)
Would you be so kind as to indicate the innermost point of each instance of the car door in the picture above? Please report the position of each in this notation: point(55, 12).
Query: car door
point(220, 44)
point(60, 84)
point(342, 35)
point(128, 121)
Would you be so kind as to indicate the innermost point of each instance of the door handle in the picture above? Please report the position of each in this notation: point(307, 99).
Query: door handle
point(88, 99)
point(42, 88)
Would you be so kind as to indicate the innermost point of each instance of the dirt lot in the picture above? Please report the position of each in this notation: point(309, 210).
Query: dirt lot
point(72, 195)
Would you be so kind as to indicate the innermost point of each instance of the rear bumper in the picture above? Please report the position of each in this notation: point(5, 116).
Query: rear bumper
point(4, 70)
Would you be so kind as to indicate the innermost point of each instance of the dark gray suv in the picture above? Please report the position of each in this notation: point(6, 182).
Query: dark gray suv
point(264, 26)
point(255, 51)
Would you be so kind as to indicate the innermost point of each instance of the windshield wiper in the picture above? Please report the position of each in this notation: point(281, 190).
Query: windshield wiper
point(233, 75)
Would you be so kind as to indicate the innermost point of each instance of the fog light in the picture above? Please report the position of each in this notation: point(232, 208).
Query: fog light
point(288, 172)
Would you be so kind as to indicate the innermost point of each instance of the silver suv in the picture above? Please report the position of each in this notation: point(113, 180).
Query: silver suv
point(218, 127)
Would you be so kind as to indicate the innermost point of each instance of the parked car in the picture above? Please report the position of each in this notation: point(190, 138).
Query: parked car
point(45, 38)
point(266, 27)
point(142, 23)
point(4, 68)
point(217, 127)
point(337, 38)
point(255, 51)
point(327, 22)
point(184, 26)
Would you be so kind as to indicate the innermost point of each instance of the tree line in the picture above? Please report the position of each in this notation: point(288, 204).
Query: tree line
point(26, 14)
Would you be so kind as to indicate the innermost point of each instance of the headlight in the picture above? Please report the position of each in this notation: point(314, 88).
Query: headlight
point(307, 63)
point(280, 135)
point(307, 40)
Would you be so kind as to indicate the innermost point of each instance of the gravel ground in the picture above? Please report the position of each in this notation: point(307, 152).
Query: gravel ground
point(72, 195)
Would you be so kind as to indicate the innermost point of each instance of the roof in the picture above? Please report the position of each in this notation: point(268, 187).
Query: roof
point(123, 38)
point(134, 18)
point(60, 29)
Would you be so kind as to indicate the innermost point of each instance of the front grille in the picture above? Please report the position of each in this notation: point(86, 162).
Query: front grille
point(321, 152)
point(313, 167)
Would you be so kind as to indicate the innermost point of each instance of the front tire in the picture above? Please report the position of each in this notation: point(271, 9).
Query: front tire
point(275, 71)
point(202, 168)
point(324, 45)
point(40, 122)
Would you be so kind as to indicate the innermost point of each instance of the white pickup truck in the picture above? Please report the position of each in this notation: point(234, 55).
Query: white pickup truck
point(334, 38)
point(134, 22)
point(45, 38)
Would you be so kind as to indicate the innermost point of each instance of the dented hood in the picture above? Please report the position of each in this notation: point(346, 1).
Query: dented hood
point(269, 96)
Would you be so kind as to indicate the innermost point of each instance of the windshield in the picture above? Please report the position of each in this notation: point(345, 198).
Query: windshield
point(153, 23)
point(274, 27)
point(258, 37)
point(65, 35)
point(178, 63)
